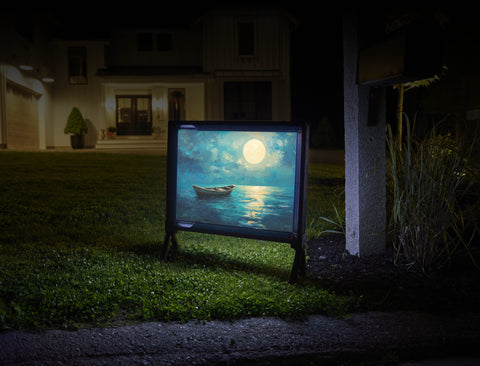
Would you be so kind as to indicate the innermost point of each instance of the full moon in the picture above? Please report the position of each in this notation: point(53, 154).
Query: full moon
point(254, 151)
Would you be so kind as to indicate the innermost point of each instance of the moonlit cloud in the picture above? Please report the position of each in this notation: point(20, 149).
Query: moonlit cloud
point(216, 158)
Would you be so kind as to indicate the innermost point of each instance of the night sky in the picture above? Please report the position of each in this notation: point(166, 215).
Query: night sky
point(317, 67)
point(220, 157)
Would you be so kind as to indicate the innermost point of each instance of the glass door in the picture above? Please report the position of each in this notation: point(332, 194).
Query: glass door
point(134, 115)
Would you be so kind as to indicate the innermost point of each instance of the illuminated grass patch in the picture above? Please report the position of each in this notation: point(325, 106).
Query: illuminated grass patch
point(81, 237)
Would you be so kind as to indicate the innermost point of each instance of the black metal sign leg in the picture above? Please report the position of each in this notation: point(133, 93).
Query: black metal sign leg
point(299, 264)
point(166, 243)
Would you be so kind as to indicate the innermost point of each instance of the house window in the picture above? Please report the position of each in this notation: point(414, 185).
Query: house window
point(149, 42)
point(247, 100)
point(164, 42)
point(246, 38)
point(77, 65)
point(145, 41)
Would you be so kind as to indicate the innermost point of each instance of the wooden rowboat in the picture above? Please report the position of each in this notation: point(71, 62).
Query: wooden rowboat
point(214, 191)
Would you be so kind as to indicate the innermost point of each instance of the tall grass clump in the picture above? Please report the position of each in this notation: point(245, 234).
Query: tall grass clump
point(430, 184)
point(326, 200)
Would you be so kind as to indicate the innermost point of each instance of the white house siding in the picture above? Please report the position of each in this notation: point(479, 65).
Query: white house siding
point(87, 98)
point(270, 61)
point(122, 50)
point(220, 47)
point(195, 102)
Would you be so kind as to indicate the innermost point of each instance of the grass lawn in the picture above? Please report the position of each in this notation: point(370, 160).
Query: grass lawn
point(80, 240)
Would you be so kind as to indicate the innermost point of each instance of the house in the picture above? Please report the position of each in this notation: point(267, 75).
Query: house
point(229, 64)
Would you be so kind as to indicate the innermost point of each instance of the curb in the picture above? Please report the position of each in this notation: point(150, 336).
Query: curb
point(368, 338)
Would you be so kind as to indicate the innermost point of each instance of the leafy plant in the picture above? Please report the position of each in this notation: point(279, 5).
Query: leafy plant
point(323, 135)
point(338, 222)
point(427, 181)
point(76, 123)
point(325, 194)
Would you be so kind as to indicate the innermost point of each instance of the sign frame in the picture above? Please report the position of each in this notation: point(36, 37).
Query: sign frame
point(175, 164)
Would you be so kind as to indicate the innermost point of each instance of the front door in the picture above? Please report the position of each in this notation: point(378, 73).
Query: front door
point(134, 115)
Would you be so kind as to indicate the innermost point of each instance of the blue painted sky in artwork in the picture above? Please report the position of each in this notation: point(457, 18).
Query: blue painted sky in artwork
point(215, 158)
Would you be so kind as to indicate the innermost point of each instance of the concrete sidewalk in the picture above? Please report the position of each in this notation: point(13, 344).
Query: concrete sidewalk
point(363, 339)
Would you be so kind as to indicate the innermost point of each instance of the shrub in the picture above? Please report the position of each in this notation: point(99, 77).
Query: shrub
point(76, 123)
point(323, 135)
point(427, 182)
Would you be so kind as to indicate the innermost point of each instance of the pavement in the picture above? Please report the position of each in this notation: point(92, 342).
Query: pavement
point(373, 338)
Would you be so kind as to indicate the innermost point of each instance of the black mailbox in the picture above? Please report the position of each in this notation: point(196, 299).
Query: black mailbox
point(412, 53)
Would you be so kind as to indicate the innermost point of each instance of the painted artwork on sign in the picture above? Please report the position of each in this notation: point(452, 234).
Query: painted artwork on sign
point(237, 178)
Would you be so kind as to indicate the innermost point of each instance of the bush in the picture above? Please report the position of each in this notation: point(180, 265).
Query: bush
point(323, 135)
point(76, 123)
point(427, 183)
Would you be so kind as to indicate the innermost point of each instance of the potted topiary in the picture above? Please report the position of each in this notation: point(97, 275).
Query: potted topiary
point(77, 127)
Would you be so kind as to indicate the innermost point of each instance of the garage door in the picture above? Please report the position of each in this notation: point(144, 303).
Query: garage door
point(22, 118)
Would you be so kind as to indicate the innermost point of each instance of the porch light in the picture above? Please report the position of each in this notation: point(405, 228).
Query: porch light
point(157, 103)
point(26, 67)
point(110, 103)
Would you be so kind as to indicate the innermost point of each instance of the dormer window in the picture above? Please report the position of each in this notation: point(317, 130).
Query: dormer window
point(246, 38)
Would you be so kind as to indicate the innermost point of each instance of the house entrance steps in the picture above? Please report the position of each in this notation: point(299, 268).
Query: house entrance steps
point(133, 142)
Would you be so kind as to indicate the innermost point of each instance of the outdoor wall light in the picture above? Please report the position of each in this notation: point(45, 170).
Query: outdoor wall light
point(158, 103)
point(110, 103)
point(25, 67)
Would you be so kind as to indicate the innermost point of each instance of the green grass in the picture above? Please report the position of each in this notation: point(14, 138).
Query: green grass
point(80, 242)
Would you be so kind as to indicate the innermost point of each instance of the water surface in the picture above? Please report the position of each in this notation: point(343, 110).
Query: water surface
point(258, 207)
